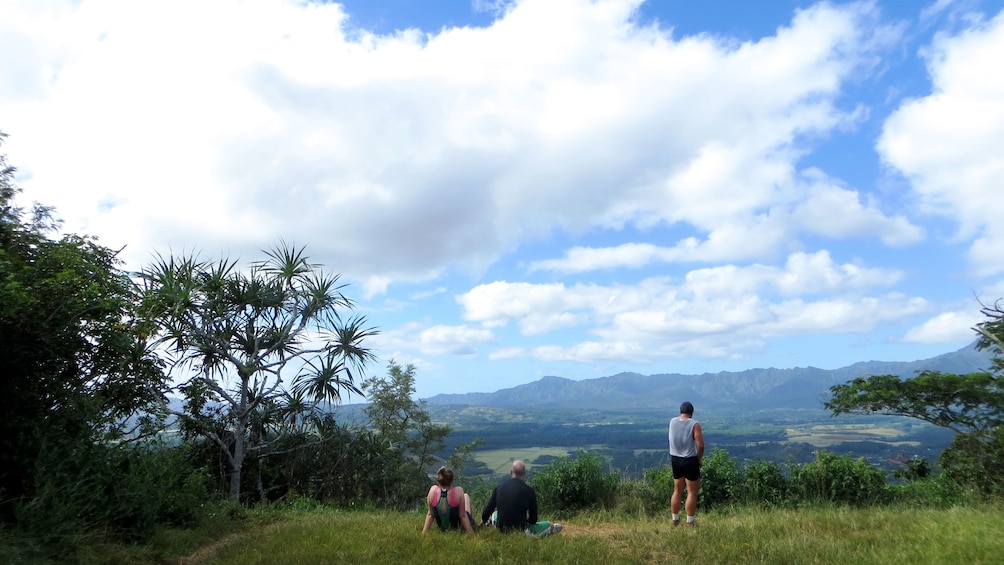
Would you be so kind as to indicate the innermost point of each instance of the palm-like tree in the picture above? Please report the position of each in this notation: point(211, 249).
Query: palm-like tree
point(237, 331)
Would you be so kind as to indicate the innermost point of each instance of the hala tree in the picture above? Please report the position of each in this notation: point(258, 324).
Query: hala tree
point(238, 333)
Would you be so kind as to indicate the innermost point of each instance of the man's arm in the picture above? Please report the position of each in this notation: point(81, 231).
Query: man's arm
point(532, 518)
point(699, 440)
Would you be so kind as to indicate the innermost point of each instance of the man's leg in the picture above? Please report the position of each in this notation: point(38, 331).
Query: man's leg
point(693, 488)
point(674, 506)
point(543, 528)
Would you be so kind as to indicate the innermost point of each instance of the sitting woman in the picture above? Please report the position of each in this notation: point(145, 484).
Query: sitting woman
point(444, 501)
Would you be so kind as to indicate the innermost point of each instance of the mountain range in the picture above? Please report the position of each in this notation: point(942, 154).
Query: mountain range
point(753, 389)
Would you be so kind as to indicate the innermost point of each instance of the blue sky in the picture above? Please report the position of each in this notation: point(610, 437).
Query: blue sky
point(545, 187)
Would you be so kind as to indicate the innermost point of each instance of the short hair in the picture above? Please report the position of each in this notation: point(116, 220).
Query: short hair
point(444, 476)
point(687, 408)
point(518, 468)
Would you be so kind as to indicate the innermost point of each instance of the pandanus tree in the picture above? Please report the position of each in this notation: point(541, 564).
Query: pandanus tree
point(233, 336)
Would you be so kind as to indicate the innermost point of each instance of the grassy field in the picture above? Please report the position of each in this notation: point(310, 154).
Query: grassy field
point(796, 536)
point(827, 435)
point(500, 460)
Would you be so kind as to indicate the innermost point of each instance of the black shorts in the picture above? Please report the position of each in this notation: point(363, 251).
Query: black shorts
point(686, 468)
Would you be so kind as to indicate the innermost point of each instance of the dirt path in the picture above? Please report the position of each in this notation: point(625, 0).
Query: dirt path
point(209, 550)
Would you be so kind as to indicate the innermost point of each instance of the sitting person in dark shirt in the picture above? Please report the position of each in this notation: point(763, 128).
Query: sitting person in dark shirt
point(513, 506)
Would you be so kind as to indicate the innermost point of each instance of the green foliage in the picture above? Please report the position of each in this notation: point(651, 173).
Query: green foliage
point(125, 492)
point(238, 330)
point(838, 479)
point(721, 480)
point(344, 466)
point(660, 481)
point(991, 332)
point(971, 405)
point(913, 469)
point(401, 421)
point(764, 482)
point(963, 403)
point(976, 461)
point(76, 367)
point(931, 492)
point(571, 484)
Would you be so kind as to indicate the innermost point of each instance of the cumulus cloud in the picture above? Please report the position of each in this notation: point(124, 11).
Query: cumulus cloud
point(424, 156)
point(399, 155)
point(947, 327)
point(947, 144)
point(453, 340)
point(714, 311)
point(430, 341)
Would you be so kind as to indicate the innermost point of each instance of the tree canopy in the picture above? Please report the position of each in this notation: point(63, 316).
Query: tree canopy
point(963, 403)
point(239, 333)
point(971, 405)
point(74, 358)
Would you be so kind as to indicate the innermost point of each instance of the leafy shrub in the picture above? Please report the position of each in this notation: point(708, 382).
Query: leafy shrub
point(660, 482)
point(765, 482)
point(931, 491)
point(568, 485)
point(123, 493)
point(637, 498)
point(840, 479)
point(721, 480)
point(912, 469)
point(976, 461)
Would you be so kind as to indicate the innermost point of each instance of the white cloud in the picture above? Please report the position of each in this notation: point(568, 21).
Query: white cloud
point(453, 340)
point(419, 157)
point(397, 156)
point(712, 312)
point(947, 327)
point(507, 353)
point(838, 213)
point(948, 143)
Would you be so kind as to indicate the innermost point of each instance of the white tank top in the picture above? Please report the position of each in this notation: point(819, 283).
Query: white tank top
point(681, 437)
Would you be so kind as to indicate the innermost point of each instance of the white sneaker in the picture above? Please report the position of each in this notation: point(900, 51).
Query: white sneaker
point(555, 528)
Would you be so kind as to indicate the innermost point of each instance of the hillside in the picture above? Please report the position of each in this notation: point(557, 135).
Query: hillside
point(753, 389)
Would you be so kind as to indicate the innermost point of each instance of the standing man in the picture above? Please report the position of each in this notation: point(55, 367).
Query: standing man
point(516, 502)
point(686, 450)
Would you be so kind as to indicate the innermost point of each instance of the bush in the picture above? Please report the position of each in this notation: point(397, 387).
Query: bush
point(568, 485)
point(932, 491)
point(976, 462)
point(838, 479)
point(721, 480)
point(764, 482)
point(637, 499)
point(124, 493)
point(660, 482)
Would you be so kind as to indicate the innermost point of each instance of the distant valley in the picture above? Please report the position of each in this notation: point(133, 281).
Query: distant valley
point(773, 414)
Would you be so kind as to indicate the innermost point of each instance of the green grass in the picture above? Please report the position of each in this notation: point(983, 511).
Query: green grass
point(798, 536)
point(500, 460)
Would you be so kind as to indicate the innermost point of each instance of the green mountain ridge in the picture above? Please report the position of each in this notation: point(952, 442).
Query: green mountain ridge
point(752, 389)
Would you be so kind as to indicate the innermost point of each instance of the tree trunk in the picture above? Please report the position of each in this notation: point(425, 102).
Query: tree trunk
point(240, 442)
point(238, 462)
